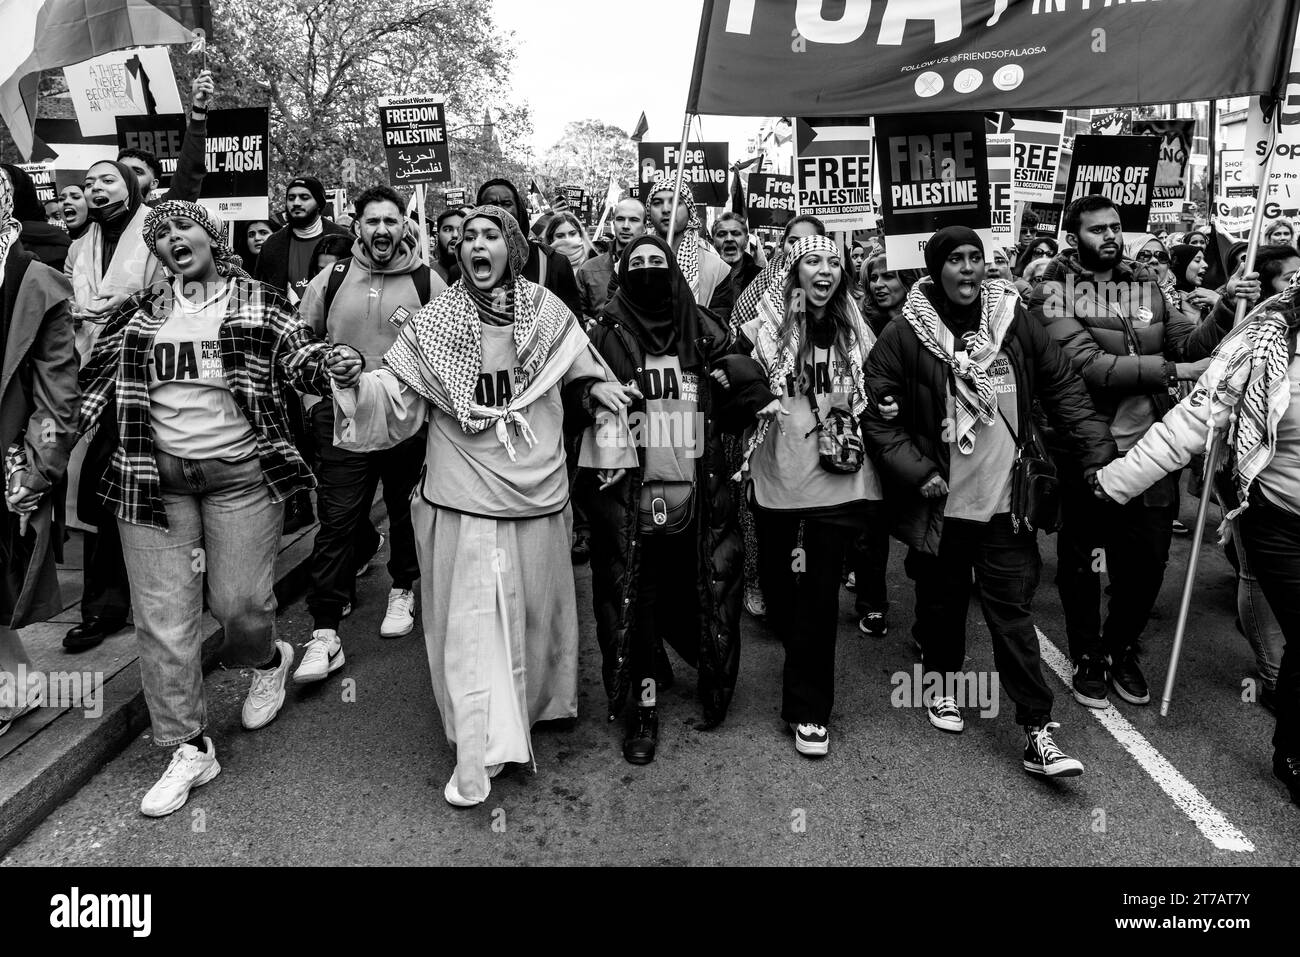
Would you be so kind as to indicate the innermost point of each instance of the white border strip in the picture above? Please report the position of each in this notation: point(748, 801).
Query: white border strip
point(1221, 833)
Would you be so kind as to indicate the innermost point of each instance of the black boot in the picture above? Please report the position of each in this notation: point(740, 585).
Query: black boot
point(642, 735)
point(1286, 768)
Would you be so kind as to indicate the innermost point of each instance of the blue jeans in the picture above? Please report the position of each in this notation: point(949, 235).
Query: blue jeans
point(223, 528)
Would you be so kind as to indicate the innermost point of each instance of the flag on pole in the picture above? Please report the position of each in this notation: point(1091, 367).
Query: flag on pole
point(50, 34)
point(641, 128)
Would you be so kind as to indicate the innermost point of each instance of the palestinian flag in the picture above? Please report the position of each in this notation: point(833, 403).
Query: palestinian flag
point(50, 34)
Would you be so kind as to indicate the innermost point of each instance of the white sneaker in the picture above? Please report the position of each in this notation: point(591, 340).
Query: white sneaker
point(361, 570)
point(754, 603)
point(190, 767)
point(266, 693)
point(813, 740)
point(400, 618)
point(323, 656)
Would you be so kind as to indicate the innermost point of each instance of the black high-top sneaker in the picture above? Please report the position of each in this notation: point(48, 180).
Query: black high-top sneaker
point(1043, 758)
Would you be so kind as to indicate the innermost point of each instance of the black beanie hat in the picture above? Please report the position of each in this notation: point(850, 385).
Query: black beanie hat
point(312, 185)
point(944, 241)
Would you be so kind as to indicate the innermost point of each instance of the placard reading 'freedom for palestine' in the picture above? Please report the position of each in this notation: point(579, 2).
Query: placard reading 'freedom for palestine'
point(933, 174)
point(414, 131)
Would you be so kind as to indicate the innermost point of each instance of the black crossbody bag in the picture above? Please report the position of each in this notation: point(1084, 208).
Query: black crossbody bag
point(1035, 487)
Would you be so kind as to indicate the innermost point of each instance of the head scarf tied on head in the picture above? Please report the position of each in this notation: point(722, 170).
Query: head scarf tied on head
point(995, 308)
point(227, 263)
point(656, 304)
point(496, 306)
point(1180, 257)
point(10, 228)
point(688, 252)
point(439, 352)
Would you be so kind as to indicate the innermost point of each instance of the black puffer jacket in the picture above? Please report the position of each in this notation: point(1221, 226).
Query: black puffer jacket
point(1117, 356)
point(707, 632)
point(911, 448)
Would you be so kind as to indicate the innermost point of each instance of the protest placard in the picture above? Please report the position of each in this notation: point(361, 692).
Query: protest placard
point(1038, 152)
point(67, 149)
point(706, 166)
point(1111, 123)
point(1234, 215)
point(237, 156)
point(575, 200)
point(833, 171)
point(134, 82)
point(414, 133)
point(771, 201)
point(1001, 162)
point(42, 175)
point(336, 199)
point(454, 197)
point(1173, 171)
point(932, 174)
point(1122, 168)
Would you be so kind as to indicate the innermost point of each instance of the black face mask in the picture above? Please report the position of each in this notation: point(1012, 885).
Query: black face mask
point(106, 213)
point(650, 288)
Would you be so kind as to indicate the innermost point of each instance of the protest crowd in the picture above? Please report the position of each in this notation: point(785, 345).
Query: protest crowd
point(722, 423)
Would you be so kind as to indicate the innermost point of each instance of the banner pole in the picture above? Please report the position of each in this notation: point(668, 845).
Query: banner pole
point(420, 218)
point(1212, 166)
point(1198, 535)
point(681, 174)
point(1216, 442)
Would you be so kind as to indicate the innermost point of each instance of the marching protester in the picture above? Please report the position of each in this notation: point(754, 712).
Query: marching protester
point(805, 353)
point(107, 264)
point(328, 251)
point(706, 274)
point(567, 236)
point(596, 275)
point(190, 371)
point(447, 235)
point(256, 235)
point(363, 301)
point(546, 267)
point(1249, 399)
point(1280, 232)
point(859, 253)
point(666, 563)
point(1111, 319)
point(191, 165)
point(76, 211)
point(967, 364)
point(731, 242)
point(490, 366)
point(47, 242)
point(887, 292)
point(38, 421)
point(285, 260)
point(1187, 268)
point(769, 282)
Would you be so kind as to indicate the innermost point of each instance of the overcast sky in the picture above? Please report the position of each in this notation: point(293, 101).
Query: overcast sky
point(649, 67)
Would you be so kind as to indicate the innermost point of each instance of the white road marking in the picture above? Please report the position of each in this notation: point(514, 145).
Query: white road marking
point(1208, 819)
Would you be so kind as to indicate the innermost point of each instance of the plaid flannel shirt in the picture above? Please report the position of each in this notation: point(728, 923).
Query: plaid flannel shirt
point(264, 346)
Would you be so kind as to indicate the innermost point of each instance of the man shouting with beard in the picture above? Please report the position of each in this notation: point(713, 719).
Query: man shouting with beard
point(731, 240)
point(286, 257)
point(1132, 350)
point(363, 301)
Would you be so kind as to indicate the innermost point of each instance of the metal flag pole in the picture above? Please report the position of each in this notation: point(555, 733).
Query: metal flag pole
point(681, 173)
point(1216, 442)
point(420, 219)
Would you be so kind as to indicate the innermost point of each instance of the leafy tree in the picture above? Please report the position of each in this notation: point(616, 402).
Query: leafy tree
point(586, 155)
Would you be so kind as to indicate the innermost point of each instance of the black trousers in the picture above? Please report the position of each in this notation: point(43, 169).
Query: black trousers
point(667, 601)
point(1006, 568)
point(1272, 541)
point(346, 484)
point(106, 591)
point(870, 559)
point(1131, 542)
point(802, 590)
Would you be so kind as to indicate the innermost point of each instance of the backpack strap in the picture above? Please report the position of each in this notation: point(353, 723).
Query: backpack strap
point(423, 283)
point(338, 272)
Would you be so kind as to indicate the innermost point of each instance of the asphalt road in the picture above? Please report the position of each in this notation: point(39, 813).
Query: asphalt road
point(333, 781)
